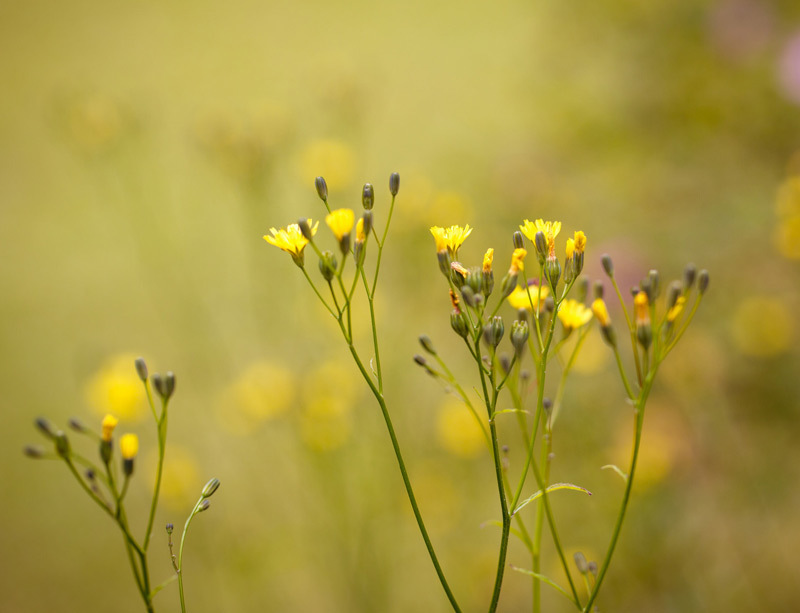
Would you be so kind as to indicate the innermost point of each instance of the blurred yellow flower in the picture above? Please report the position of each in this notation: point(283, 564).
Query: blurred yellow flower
point(550, 229)
point(290, 239)
point(450, 239)
point(519, 299)
point(487, 260)
point(573, 314)
point(323, 426)
point(601, 312)
point(180, 481)
point(340, 222)
point(129, 446)
point(676, 309)
point(107, 427)
point(787, 237)
point(331, 159)
point(117, 389)
point(570, 248)
point(763, 326)
point(580, 241)
point(360, 234)
point(457, 430)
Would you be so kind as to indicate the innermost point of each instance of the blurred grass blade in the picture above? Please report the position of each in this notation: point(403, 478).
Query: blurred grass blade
point(617, 470)
point(552, 488)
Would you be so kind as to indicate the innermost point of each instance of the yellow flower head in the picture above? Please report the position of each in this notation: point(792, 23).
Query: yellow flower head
point(290, 239)
point(570, 248)
point(487, 260)
point(340, 222)
point(129, 446)
point(109, 423)
point(601, 312)
point(117, 389)
point(673, 313)
point(580, 241)
point(641, 305)
point(360, 235)
point(573, 314)
point(519, 299)
point(450, 239)
point(550, 229)
point(516, 261)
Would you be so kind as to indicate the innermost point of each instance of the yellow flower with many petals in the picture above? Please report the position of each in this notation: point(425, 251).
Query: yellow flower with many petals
point(340, 222)
point(550, 229)
point(291, 240)
point(580, 242)
point(487, 260)
point(519, 299)
point(450, 239)
point(573, 314)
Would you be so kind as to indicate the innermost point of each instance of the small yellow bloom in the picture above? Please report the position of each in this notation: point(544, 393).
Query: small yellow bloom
point(340, 222)
point(641, 305)
point(116, 388)
point(570, 248)
point(516, 261)
point(290, 239)
point(601, 312)
point(487, 260)
point(109, 423)
point(360, 235)
point(129, 446)
point(550, 229)
point(573, 314)
point(519, 299)
point(673, 313)
point(450, 239)
point(580, 242)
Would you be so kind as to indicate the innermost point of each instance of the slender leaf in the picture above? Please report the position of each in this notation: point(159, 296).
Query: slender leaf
point(617, 470)
point(551, 488)
point(546, 579)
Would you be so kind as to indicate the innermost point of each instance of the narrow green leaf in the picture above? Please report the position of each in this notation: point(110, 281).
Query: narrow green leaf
point(510, 411)
point(514, 531)
point(551, 488)
point(158, 588)
point(546, 579)
point(617, 470)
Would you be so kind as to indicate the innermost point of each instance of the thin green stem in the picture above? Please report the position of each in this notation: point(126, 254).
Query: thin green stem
point(316, 291)
point(162, 444)
point(638, 423)
point(631, 330)
point(180, 553)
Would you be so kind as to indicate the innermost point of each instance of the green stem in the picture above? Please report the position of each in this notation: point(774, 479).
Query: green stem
point(409, 491)
point(162, 444)
point(638, 423)
point(180, 553)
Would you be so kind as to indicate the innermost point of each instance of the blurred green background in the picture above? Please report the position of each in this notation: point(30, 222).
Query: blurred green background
point(146, 147)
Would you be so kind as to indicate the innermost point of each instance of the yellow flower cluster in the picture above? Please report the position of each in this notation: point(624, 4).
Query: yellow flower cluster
point(291, 240)
point(450, 239)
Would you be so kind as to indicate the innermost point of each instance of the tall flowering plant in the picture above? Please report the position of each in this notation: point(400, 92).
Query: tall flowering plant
point(541, 292)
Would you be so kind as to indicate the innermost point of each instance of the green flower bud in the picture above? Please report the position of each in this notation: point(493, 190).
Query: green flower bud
point(305, 229)
point(689, 275)
point(141, 369)
point(493, 331)
point(368, 197)
point(322, 188)
point(394, 183)
point(427, 344)
point(702, 281)
point(519, 335)
point(552, 272)
point(608, 265)
point(210, 487)
point(459, 323)
point(327, 265)
point(518, 241)
point(62, 444)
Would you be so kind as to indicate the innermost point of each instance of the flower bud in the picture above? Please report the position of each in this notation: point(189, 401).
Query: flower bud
point(702, 281)
point(62, 444)
point(517, 239)
point(33, 451)
point(169, 384)
point(508, 284)
point(305, 229)
point(394, 183)
point(45, 427)
point(675, 290)
point(689, 275)
point(327, 265)
point(519, 335)
point(427, 344)
point(368, 197)
point(421, 361)
point(608, 265)
point(210, 487)
point(322, 188)
point(170, 528)
point(468, 295)
point(128, 448)
point(77, 425)
point(549, 304)
point(552, 272)
point(540, 241)
point(655, 283)
point(493, 331)
point(459, 323)
point(580, 562)
point(141, 369)
point(598, 290)
point(204, 505)
point(366, 228)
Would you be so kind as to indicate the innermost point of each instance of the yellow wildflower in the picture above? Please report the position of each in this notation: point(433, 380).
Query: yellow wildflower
point(641, 308)
point(570, 248)
point(573, 314)
point(116, 388)
point(673, 313)
point(601, 312)
point(291, 240)
point(516, 261)
point(340, 222)
point(129, 446)
point(457, 431)
point(450, 239)
point(360, 235)
point(580, 242)
point(550, 229)
point(109, 423)
point(519, 299)
point(487, 260)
